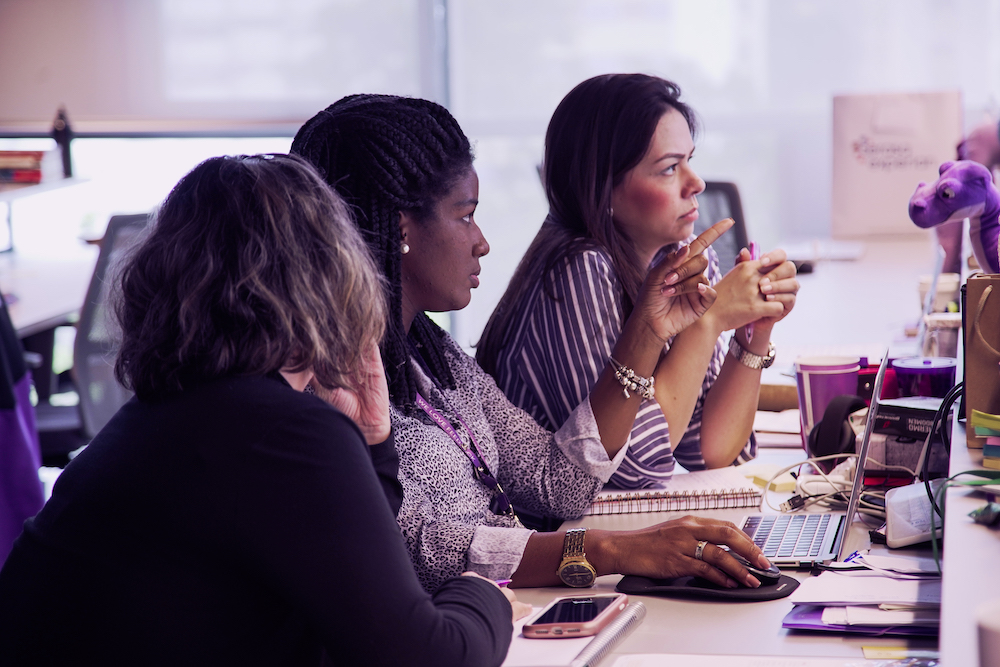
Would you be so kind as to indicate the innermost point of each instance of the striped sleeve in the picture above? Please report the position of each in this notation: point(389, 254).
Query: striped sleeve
point(566, 344)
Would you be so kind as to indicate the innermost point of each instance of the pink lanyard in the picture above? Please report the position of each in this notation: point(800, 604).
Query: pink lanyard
point(500, 503)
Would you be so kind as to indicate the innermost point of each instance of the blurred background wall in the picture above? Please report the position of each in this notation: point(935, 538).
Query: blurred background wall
point(154, 86)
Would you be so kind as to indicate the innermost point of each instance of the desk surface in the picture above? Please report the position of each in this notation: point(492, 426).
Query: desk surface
point(49, 290)
point(854, 307)
point(971, 572)
point(724, 628)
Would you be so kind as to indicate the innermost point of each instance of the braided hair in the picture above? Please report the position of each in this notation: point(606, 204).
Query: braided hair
point(385, 155)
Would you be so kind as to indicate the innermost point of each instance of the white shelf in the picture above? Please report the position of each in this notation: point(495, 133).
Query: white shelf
point(11, 191)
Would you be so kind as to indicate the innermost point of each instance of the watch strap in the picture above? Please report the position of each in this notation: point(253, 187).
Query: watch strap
point(573, 543)
point(748, 358)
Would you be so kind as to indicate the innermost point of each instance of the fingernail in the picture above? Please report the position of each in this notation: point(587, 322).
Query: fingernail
point(765, 260)
point(769, 297)
point(731, 584)
point(763, 561)
point(702, 288)
point(671, 278)
point(670, 291)
point(752, 581)
point(765, 285)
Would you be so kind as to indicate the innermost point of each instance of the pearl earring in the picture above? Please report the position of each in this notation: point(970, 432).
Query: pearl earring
point(404, 248)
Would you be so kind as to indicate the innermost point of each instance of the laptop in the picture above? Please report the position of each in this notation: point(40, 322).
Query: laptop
point(802, 540)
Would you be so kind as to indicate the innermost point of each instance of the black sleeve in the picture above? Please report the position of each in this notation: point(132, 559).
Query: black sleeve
point(386, 462)
point(314, 522)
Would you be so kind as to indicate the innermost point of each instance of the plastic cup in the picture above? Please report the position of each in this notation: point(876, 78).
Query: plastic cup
point(925, 376)
point(819, 380)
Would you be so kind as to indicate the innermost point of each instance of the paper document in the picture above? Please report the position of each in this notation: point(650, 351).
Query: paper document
point(526, 652)
point(582, 652)
point(901, 564)
point(786, 421)
point(832, 588)
point(872, 615)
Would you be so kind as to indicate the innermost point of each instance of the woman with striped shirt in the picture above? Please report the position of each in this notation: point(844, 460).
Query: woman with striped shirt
point(623, 195)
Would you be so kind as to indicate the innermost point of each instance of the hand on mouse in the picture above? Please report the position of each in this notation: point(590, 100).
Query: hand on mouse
point(667, 550)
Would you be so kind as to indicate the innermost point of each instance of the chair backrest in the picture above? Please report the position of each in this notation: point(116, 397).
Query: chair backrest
point(721, 200)
point(96, 337)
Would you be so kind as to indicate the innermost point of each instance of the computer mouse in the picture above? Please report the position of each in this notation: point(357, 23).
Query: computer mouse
point(767, 577)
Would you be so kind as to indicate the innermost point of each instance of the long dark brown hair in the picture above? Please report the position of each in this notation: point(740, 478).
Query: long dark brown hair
point(252, 266)
point(598, 133)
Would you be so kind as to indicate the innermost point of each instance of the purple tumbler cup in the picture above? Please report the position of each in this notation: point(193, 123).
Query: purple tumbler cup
point(819, 380)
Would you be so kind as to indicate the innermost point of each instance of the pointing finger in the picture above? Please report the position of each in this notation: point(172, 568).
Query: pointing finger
point(711, 235)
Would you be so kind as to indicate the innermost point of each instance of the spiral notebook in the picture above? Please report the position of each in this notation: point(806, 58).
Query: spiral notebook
point(722, 488)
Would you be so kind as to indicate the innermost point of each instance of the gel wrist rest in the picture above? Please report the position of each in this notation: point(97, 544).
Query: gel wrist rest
point(696, 587)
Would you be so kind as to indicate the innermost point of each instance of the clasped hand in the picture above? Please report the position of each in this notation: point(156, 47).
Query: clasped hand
point(759, 291)
point(676, 292)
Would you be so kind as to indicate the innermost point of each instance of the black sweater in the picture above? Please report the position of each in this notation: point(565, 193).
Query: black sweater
point(238, 523)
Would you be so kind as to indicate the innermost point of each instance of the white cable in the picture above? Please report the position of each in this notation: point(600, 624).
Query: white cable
point(828, 457)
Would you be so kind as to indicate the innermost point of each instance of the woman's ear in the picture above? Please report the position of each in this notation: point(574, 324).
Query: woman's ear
point(406, 223)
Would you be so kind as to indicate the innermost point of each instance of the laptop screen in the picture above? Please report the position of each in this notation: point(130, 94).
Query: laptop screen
point(859, 473)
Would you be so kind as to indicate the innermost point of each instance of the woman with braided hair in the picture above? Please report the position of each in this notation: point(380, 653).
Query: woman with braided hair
point(467, 455)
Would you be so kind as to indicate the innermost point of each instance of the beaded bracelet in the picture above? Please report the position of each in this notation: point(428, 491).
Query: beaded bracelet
point(629, 380)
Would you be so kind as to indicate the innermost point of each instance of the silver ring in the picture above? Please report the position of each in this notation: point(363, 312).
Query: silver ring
point(699, 552)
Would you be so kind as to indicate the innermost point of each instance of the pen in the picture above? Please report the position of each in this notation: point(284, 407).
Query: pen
point(502, 583)
point(754, 254)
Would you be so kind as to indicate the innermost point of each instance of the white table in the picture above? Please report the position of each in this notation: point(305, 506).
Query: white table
point(724, 628)
point(972, 565)
point(49, 290)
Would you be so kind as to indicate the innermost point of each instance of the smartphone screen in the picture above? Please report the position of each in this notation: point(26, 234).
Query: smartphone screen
point(576, 610)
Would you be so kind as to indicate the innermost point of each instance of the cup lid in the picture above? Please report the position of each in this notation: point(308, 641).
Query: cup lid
point(929, 365)
point(828, 363)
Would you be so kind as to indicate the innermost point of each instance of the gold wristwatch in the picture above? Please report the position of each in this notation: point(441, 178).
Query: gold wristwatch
point(748, 358)
point(575, 570)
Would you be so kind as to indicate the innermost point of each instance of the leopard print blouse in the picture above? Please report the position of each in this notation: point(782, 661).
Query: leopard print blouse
point(445, 516)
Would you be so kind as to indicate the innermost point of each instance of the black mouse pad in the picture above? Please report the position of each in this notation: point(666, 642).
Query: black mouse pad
point(696, 587)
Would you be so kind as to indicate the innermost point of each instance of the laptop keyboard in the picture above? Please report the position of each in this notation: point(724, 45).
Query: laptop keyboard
point(788, 536)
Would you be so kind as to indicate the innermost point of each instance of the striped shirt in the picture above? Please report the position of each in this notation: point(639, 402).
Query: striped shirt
point(563, 342)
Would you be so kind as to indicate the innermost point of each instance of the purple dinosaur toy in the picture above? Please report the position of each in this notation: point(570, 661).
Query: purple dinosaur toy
point(964, 189)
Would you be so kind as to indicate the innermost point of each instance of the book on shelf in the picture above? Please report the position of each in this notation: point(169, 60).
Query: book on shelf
point(21, 167)
point(11, 175)
point(721, 488)
point(21, 159)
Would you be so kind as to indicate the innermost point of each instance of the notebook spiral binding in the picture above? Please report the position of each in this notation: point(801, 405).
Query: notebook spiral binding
point(674, 501)
point(609, 637)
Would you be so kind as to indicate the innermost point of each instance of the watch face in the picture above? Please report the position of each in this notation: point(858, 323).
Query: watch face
point(576, 574)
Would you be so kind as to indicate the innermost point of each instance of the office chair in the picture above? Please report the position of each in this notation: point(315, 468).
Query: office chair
point(96, 338)
point(721, 200)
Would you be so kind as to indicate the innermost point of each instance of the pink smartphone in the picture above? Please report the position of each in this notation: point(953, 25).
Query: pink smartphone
point(576, 616)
